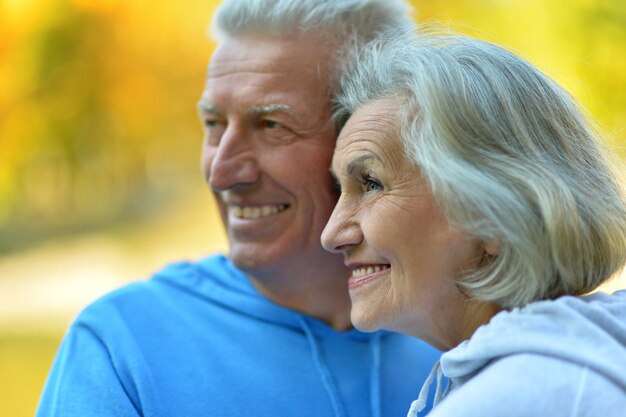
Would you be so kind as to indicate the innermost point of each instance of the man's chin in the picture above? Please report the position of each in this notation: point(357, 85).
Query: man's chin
point(253, 258)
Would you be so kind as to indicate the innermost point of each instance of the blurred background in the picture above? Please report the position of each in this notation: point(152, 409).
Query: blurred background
point(99, 143)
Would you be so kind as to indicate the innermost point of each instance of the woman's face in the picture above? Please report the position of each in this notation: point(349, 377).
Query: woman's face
point(404, 256)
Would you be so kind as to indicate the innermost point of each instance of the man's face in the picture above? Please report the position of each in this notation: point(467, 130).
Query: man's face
point(268, 144)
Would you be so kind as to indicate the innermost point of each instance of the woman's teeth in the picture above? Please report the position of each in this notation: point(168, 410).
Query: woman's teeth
point(367, 270)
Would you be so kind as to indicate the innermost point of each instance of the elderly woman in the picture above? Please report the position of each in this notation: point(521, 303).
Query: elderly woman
point(477, 213)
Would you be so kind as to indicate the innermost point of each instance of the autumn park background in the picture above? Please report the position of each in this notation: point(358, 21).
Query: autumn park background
point(99, 143)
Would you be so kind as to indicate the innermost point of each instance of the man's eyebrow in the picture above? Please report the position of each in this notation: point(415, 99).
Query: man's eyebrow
point(208, 107)
point(359, 162)
point(254, 110)
point(271, 108)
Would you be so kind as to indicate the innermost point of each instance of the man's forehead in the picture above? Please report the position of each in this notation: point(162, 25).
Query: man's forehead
point(307, 55)
point(259, 76)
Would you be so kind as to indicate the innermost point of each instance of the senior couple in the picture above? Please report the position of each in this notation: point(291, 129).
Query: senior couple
point(475, 215)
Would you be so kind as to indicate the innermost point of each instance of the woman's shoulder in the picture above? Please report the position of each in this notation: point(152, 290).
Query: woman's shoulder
point(533, 384)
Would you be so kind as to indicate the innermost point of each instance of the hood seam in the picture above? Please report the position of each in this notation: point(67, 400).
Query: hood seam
point(322, 369)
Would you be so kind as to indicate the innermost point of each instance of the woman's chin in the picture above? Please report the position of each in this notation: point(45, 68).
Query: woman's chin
point(364, 322)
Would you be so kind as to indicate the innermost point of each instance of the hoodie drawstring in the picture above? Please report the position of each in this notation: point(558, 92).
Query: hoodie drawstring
point(329, 383)
point(323, 371)
point(419, 404)
point(375, 401)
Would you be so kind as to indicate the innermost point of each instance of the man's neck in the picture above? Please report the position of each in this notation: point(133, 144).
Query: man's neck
point(322, 295)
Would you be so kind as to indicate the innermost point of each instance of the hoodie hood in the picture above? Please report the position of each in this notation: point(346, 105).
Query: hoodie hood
point(587, 331)
point(218, 279)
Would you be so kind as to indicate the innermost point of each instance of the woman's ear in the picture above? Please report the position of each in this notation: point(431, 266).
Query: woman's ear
point(492, 247)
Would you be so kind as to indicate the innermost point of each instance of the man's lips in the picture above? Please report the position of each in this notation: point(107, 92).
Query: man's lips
point(241, 211)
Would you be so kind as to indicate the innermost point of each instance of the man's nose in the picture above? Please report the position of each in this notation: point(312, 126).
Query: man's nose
point(234, 161)
point(342, 232)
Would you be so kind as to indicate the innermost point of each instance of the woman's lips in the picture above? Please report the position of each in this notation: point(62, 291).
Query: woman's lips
point(365, 273)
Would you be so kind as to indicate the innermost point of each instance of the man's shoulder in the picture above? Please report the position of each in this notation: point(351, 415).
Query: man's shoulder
point(216, 266)
point(173, 285)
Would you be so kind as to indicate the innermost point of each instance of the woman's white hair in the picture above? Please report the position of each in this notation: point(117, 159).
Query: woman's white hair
point(510, 157)
point(348, 23)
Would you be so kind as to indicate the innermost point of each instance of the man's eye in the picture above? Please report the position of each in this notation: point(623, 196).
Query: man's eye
point(213, 131)
point(211, 124)
point(271, 124)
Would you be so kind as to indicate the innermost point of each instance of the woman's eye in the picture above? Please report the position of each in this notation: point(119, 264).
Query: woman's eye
point(371, 184)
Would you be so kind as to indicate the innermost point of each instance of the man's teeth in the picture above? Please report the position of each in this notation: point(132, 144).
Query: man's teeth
point(367, 270)
point(256, 212)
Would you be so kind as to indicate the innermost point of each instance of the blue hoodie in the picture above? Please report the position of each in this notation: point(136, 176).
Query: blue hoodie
point(556, 358)
point(198, 340)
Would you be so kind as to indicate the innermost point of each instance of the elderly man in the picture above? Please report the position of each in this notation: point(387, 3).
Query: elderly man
point(266, 330)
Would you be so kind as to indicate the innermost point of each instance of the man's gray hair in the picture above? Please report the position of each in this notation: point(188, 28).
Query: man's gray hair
point(348, 23)
point(291, 17)
point(508, 154)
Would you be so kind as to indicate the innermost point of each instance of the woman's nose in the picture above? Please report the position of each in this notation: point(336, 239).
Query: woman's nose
point(342, 232)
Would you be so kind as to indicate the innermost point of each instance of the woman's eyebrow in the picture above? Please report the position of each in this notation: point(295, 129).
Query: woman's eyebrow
point(359, 162)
